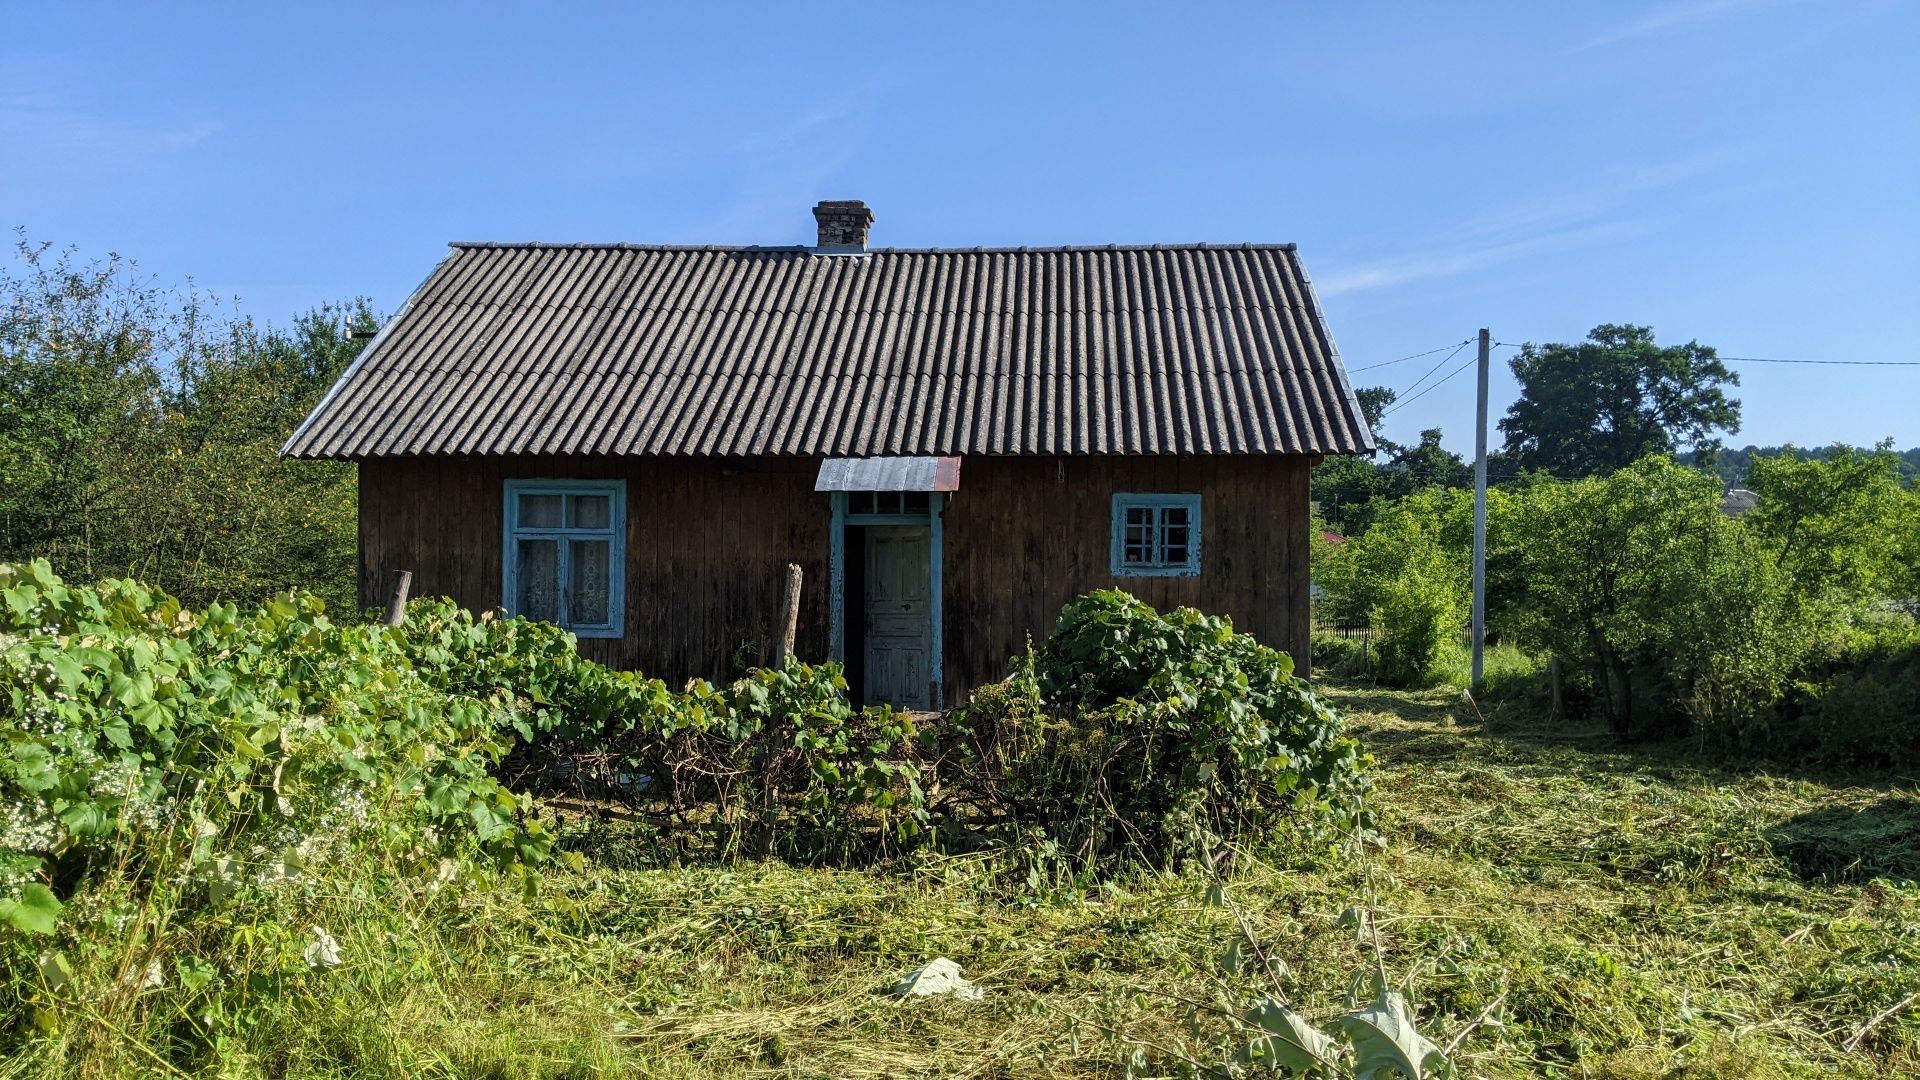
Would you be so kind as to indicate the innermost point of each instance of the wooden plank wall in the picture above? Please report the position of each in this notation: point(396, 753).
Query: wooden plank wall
point(1026, 535)
point(708, 542)
point(707, 548)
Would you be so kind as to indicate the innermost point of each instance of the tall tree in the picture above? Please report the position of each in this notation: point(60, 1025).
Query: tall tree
point(1598, 406)
point(1374, 402)
point(140, 433)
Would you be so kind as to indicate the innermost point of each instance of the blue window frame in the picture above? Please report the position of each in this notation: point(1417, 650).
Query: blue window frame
point(565, 554)
point(1156, 535)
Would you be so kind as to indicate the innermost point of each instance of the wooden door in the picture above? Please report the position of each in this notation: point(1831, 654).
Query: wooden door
point(899, 616)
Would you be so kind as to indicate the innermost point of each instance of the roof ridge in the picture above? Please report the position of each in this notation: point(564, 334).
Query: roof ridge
point(621, 245)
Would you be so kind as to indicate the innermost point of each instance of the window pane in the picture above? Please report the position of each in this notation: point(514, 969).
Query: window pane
point(1140, 515)
point(587, 593)
point(589, 511)
point(539, 511)
point(1176, 534)
point(916, 502)
point(1173, 516)
point(539, 580)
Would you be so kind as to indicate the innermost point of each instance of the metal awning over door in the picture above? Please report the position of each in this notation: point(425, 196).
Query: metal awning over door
point(889, 474)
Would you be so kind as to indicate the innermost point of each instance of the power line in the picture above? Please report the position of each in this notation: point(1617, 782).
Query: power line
point(1401, 405)
point(1429, 374)
point(1404, 359)
point(1776, 360)
point(1851, 363)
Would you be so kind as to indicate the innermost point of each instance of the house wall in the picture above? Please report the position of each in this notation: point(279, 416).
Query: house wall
point(708, 541)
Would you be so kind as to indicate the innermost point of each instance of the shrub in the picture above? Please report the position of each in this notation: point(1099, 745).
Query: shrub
point(1671, 610)
point(1861, 708)
point(273, 735)
point(779, 758)
point(193, 803)
point(1409, 575)
point(1338, 654)
point(1133, 735)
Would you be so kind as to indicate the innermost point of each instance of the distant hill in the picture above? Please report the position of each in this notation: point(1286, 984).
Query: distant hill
point(1732, 464)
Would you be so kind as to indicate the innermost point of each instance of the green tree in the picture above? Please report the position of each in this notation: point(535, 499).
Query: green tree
point(140, 435)
point(1427, 464)
point(1638, 579)
point(1598, 406)
point(1831, 523)
point(1408, 576)
point(1346, 485)
point(82, 388)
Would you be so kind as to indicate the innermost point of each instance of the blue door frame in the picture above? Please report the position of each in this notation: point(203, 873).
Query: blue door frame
point(837, 626)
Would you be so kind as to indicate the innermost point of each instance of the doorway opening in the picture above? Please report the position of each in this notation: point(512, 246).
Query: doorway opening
point(887, 596)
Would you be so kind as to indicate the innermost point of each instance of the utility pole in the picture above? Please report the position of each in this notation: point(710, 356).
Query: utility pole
point(1480, 516)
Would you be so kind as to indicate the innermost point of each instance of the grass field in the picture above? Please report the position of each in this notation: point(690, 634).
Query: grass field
point(1602, 912)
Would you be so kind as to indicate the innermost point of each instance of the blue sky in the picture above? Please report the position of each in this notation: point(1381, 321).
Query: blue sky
point(1741, 172)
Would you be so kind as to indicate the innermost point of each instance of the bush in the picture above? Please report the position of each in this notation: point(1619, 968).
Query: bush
point(777, 760)
point(273, 735)
point(1668, 608)
point(1409, 576)
point(1861, 708)
point(191, 801)
point(1338, 655)
point(1132, 735)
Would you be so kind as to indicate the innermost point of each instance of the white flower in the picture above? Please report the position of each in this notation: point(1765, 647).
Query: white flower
point(323, 951)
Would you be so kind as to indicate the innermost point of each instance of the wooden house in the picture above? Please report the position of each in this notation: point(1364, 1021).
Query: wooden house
point(634, 440)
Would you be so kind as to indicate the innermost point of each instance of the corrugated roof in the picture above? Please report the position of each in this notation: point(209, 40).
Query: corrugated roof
point(889, 474)
point(652, 350)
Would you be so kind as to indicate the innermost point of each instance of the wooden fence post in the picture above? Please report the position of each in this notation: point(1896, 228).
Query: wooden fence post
point(789, 617)
point(1553, 678)
point(397, 605)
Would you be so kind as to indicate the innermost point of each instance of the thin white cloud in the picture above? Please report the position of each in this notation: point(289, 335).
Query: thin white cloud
point(787, 163)
point(1548, 222)
point(1420, 266)
point(1678, 18)
point(38, 122)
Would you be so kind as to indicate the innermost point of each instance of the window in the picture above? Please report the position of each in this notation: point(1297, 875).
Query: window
point(887, 502)
point(1156, 535)
point(566, 553)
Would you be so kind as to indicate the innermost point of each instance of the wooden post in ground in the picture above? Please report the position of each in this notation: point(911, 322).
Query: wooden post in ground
point(789, 617)
point(1553, 677)
point(397, 605)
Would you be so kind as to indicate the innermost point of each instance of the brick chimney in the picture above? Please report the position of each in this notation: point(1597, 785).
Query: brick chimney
point(843, 226)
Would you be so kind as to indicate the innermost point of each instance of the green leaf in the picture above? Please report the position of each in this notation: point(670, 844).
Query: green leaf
point(21, 600)
point(1290, 1042)
point(1384, 1037)
point(195, 973)
point(1230, 961)
point(36, 912)
point(56, 970)
point(1358, 920)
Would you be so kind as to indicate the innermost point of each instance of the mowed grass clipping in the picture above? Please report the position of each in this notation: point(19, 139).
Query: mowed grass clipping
point(1600, 911)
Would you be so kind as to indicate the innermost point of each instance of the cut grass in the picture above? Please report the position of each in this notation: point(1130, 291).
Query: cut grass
point(1644, 913)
